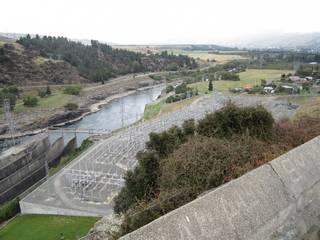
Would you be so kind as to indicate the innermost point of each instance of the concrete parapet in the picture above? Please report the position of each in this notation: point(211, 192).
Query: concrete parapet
point(279, 200)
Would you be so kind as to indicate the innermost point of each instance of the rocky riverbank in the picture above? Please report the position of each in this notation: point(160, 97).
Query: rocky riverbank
point(33, 120)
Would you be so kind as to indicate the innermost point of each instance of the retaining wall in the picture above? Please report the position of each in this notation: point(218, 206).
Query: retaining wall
point(279, 200)
point(24, 165)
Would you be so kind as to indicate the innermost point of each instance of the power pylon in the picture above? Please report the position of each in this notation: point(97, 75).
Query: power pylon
point(12, 130)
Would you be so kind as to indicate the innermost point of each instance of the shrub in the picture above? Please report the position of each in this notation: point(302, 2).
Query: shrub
point(229, 120)
point(202, 163)
point(42, 93)
point(189, 127)
point(9, 210)
point(48, 90)
point(71, 107)
point(72, 90)
point(182, 88)
point(169, 88)
point(230, 76)
point(30, 101)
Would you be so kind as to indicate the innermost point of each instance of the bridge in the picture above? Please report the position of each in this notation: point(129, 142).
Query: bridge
point(79, 130)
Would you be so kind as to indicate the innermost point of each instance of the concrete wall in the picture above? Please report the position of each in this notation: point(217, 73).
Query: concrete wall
point(23, 165)
point(55, 151)
point(31, 208)
point(279, 200)
point(71, 145)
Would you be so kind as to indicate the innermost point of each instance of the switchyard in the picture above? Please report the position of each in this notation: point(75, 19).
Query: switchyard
point(87, 186)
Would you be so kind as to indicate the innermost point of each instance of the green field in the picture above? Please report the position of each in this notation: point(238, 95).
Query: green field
point(250, 77)
point(156, 109)
point(56, 100)
point(153, 109)
point(45, 227)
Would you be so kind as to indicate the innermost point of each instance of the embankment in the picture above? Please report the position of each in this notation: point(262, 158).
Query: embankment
point(24, 165)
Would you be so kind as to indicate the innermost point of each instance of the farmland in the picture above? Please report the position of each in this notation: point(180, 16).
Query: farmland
point(250, 77)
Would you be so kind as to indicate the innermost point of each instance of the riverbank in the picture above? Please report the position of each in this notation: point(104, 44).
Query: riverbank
point(93, 108)
point(31, 121)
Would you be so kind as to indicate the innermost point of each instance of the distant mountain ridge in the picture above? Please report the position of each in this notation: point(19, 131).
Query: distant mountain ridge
point(288, 41)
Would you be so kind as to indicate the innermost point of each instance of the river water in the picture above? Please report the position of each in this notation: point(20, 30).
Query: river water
point(117, 114)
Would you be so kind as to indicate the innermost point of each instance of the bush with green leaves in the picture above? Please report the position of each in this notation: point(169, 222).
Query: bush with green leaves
point(229, 120)
point(182, 88)
point(30, 101)
point(71, 107)
point(9, 209)
point(72, 90)
point(169, 88)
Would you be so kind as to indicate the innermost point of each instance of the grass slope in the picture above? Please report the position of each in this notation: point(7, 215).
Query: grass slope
point(45, 227)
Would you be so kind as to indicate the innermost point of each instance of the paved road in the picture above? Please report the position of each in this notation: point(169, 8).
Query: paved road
point(88, 185)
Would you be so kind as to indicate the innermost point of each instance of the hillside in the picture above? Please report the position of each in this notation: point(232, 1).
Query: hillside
point(289, 41)
point(21, 66)
point(99, 62)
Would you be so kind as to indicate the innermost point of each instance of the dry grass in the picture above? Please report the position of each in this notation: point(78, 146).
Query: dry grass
point(309, 106)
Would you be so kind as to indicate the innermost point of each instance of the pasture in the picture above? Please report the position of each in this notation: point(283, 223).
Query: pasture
point(250, 77)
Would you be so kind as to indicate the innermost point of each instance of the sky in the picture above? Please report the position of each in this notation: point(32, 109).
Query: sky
point(160, 21)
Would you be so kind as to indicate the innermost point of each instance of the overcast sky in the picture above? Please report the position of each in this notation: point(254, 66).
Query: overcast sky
point(159, 21)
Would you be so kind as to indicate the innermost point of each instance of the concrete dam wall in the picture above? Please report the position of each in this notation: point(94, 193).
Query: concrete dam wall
point(279, 200)
point(24, 165)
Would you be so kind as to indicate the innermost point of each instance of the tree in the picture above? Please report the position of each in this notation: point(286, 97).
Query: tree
point(48, 91)
point(210, 88)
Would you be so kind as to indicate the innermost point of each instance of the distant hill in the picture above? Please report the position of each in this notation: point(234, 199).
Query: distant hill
point(289, 41)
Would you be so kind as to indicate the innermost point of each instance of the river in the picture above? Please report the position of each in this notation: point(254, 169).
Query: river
point(117, 114)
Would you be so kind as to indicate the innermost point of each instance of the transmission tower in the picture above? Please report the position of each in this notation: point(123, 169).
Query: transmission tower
point(10, 122)
point(122, 108)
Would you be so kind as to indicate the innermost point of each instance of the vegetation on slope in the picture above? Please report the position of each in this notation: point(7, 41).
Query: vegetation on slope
point(181, 163)
point(22, 67)
point(99, 62)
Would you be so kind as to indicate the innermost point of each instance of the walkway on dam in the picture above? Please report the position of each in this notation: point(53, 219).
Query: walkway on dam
point(87, 185)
